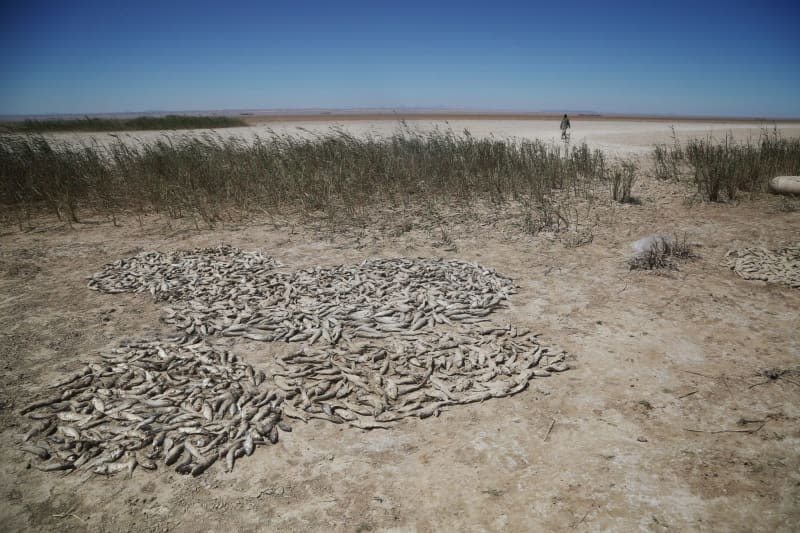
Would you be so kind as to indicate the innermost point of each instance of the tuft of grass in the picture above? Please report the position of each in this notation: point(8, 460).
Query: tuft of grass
point(92, 124)
point(446, 241)
point(576, 239)
point(669, 160)
point(622, 179)
point(545, 215)
point(662, 254)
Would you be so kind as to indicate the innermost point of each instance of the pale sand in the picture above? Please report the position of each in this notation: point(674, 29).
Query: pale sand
point(616, 137)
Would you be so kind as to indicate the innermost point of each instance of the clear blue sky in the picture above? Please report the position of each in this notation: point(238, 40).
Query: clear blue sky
point(686, 57)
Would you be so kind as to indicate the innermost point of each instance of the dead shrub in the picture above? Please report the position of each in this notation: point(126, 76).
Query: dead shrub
point(663, 253)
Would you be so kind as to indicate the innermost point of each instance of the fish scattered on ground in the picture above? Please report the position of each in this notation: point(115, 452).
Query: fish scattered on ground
point(178, 401)
point(382, 341)
point(773, 266)
point(384, 382)
point(244, 296)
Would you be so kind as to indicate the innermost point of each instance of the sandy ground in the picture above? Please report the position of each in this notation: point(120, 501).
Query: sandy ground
point(616, 137)
point(663, 423)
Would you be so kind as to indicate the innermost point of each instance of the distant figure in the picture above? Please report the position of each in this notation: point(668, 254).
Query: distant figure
point(564, 126)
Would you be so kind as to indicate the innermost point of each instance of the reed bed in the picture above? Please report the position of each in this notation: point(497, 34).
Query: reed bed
point(210, 177)
point(722, 170)
point(90, 124)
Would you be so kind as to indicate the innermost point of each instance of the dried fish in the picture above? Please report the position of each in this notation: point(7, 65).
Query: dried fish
point(778, 266)
point(158, 421)
point(189, 403)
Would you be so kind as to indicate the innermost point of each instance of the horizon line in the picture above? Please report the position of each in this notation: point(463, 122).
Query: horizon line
point(299, 113)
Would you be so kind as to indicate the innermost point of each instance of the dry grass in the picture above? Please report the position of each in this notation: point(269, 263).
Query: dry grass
point(211, 178)
point(168, 122)
point(722, 170)
point(662, 254)
point(623, 176)
point(339, 176)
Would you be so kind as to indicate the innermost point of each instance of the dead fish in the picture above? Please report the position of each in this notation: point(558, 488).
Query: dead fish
point(193, 451)
point(173, 454)
point(201, 467)
point(361, 423)
point(41, 427)
point(345, 414)
point(52, 467)
point(162, 393)
point(108, 469)
point(247, 445)
point(146, 463)
point(230, 456)
point(38, 451)
point(70, 432)
point(273, 435)
point(87, 456)
point(40, 403)
point(291, 412)
point(98, 404)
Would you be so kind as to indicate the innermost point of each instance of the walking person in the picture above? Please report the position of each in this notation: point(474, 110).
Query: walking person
point(564, 126)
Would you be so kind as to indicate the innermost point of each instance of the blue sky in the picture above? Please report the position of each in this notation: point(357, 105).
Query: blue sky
point(677, 57)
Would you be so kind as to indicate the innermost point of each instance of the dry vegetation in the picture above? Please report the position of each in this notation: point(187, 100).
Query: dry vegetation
point(723, 170)
point(212, 179)
point(662, 253)
point(168, 122)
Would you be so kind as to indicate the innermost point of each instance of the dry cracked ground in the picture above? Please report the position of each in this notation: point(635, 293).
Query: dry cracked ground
point(669, 419)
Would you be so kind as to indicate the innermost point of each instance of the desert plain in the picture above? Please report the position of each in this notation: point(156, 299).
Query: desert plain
point(676, 413)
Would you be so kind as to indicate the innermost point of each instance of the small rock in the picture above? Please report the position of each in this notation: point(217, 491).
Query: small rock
point(641, 439)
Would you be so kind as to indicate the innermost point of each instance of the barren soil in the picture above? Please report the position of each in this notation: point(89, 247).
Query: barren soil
point(663, 423)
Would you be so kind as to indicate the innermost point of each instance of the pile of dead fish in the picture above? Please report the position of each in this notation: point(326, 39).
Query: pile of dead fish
point(180, 402)
point(370, 385)
point(379, 298)
point(383, 340)
point(201, 274)
point(774, 266)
